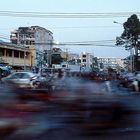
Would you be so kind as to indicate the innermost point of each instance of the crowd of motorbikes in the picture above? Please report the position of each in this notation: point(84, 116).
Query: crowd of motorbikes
point(131, 81)
point(71, 99)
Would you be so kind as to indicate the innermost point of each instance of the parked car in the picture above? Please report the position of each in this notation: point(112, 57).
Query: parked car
point(21, 79)
point(4, 71)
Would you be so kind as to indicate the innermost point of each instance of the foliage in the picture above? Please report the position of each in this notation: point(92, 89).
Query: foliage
point(130, 36)
point(75, 61)
point(56, 59)
point(72, 61)
point(78, 61)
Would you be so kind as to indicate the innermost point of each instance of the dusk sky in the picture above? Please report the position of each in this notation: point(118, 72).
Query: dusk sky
point(97, 28)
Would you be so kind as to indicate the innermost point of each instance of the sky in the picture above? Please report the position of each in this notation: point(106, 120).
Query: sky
point(96, 29)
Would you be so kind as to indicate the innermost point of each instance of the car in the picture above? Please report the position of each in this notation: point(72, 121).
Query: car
point(5, 71)
point(20, 79)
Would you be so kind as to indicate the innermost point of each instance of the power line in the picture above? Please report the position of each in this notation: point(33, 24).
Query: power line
point(3, 37)
point(83, 27)
point(95, 41)
point(98, 43)
point(78, 44)
point(65, 15)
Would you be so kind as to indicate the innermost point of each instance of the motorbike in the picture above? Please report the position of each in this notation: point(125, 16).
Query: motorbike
point(42, 82)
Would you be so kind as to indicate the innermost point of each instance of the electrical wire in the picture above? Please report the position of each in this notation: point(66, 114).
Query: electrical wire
point(66, 15)
point(3, 37)
point(77, 44)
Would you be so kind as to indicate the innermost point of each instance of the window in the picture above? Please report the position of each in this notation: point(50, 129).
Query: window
point(9, 53)
point(15, 76)
point(1, 52)
point(84, 60)
point(21, 54)
point(16, 53)
point(84, 55)
point(25, 76)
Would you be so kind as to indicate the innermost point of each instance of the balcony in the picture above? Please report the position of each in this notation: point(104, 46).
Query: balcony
point(17, 61)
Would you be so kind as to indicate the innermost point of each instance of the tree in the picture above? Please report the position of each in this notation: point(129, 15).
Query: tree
point(73, 61)
point(56, 59)
point(78, 61)
point(130, 37)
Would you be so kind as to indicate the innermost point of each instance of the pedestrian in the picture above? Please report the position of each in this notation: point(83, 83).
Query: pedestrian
point(135, 83)
point(60, 73)
point(108, 85)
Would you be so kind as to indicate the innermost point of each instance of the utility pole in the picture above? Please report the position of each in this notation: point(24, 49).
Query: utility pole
point(25, 60)
point(131, 59)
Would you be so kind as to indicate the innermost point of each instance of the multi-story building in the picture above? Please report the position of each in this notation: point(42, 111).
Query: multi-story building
point(86, 60)
point(115, 63)
point(16, 56)
point(35, 36)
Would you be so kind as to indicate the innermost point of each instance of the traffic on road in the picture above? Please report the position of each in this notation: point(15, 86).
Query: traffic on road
point(33, 106)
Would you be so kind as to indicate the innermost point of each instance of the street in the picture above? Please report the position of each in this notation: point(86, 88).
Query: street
point(68, 113)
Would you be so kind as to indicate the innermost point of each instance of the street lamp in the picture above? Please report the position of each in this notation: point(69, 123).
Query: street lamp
point(117, 22)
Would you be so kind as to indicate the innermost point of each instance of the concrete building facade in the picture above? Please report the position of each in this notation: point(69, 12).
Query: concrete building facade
point(86, 60)
point(114, 63)
point(16, 56)
point(35, 37)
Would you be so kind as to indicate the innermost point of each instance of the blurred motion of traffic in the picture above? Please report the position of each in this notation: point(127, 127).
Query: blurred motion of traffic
point(48, 92)
point(35, 104)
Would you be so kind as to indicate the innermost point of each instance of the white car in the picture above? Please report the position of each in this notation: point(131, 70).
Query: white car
point(21, 79)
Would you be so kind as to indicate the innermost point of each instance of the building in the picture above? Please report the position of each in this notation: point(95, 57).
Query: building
point(114, 63)
point(34, 37)
point(17, 57)
point(86, 60)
